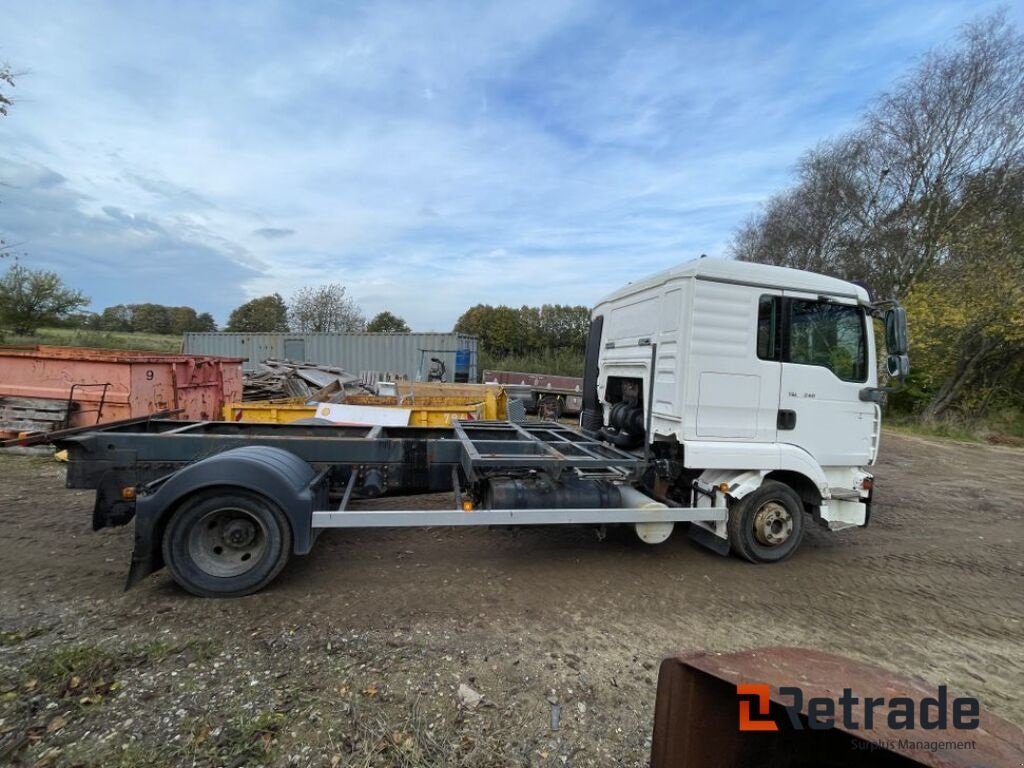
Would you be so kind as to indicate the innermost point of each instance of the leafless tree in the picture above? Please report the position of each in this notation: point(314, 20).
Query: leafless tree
point(324, 309)
point(6, 83)
point(879, 203)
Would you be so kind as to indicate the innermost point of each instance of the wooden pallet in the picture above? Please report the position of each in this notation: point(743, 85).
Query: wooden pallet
point(31, 414)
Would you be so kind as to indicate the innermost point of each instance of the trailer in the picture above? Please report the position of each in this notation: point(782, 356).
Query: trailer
point(737, 398)
point(551, 396)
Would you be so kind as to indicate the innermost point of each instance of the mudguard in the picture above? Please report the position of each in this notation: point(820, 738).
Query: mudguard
point(278, 475)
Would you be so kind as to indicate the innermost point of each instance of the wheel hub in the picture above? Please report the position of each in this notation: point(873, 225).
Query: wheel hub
point(227, 542)
point(239, 533)
point(773, 524)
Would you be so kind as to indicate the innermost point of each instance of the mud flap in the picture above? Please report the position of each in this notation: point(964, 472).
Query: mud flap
point(708, 539)
point(146, 556)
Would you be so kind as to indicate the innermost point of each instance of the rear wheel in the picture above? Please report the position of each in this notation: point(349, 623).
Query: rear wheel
point(550, 407)
point(226, 543)
point(767, 525)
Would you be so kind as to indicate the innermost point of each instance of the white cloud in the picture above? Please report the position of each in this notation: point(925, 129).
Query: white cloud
point(428, 155)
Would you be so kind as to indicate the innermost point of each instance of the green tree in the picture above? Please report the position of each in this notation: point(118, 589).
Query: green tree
point(116, 318)
point(182, 319)
point(31, 298)
point(151, 318)
point(504, 331)
point(265, 314)
point(204, 323)
point(387, 322)
point(966, 318)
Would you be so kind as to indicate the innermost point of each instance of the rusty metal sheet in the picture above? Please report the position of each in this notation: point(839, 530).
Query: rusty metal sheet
point(696, 721)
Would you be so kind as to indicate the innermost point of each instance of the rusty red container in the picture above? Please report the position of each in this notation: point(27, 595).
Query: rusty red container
point(110, 384)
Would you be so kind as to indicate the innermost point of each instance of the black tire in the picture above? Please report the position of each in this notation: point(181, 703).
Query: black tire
point(226, 543)
point(767, 525)
point(553, 405)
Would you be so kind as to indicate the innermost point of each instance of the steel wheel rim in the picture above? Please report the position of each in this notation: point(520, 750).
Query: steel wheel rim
point(227, 542)
point(773, 524)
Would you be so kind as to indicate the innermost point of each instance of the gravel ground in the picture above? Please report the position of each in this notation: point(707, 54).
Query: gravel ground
point(357, 654)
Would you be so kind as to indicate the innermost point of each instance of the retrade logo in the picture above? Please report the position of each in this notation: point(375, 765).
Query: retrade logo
point(852, 713)
point(760, 719)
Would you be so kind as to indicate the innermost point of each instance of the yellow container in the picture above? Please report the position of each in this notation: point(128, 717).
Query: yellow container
point(491, 395)
point(426, 411)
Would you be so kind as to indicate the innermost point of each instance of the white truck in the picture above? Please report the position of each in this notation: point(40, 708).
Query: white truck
point(736, 397)
point(755, 382)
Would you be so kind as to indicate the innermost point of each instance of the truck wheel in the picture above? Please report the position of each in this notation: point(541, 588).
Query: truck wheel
point(226, 543)
point(766, 525)
point(550, 407)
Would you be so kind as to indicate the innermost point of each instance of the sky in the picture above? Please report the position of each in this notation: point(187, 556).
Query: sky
point(427, 155)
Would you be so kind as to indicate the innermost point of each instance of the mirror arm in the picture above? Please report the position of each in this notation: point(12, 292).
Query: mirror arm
point(877, 394)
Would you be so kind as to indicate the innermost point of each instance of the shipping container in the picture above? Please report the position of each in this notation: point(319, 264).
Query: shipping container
point(96, 386)
point(408, 354)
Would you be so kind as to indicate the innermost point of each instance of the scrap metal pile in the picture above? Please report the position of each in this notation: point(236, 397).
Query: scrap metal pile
point(273, 379)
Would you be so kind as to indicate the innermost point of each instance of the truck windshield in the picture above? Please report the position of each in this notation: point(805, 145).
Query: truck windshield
point(830, 335)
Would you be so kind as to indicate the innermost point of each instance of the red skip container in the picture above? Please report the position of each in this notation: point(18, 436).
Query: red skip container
point(111, 384)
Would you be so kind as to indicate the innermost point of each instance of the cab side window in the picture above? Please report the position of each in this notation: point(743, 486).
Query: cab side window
point(769, 328)
point(830, 335)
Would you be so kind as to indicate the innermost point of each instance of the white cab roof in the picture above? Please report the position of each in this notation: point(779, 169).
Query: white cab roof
point(747, 273)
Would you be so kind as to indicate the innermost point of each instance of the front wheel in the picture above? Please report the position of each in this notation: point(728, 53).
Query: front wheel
point(223, 543)
point(767, 525)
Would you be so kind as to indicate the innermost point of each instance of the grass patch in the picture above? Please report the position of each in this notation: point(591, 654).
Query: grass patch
point(1002, 427)
point(136, 756)
point(192, 650)
point(242, 740)
point(942, 430)
point(77, 337)
point(17, 637)
point(87, 673)
point(81, 672)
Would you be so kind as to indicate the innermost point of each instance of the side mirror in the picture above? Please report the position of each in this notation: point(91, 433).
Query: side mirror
point(896, 332)
point(898, 366)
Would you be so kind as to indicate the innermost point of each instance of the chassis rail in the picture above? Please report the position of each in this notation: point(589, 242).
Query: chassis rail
point(500, 474)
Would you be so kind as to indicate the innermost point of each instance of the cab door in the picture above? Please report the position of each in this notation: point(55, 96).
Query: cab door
point(733, 367)
point(827, 360)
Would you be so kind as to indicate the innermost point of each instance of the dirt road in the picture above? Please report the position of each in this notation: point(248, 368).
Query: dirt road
point(356, 654)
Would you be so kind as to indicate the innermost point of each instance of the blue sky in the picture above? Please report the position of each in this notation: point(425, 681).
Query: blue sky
point(429, 156)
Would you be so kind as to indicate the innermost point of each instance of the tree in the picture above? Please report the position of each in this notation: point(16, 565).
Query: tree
point(967, 317)
point(31, 298)
point(6, 82)
point(324, 309)
point(116, 318)
point(880, 203)
point(151, 318)
point(505, 331)
point(205, 323)
point(265, 314)
point(386, 322)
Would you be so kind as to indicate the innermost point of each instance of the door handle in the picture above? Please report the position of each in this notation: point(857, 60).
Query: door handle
point(786, 419)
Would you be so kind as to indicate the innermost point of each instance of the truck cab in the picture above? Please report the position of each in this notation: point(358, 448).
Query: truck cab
point(732, 375)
